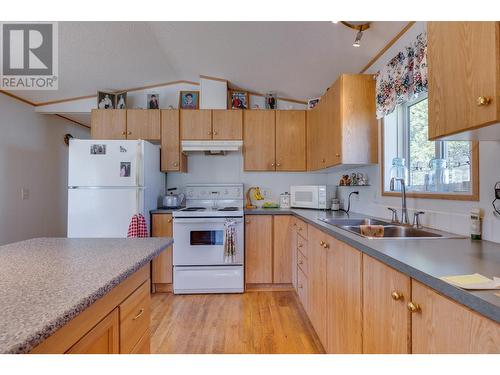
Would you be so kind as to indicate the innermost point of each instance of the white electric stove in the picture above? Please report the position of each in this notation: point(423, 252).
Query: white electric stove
point(198, 252)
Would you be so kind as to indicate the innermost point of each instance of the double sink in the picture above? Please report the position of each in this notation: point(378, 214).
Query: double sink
point(391, 230)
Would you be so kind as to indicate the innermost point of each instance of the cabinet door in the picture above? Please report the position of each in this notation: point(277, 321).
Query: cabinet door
point(143, 124)
point(282, 258)
point(102, 339)
point(313, 151)
point(258, 249)
point(444, 326)
point(227, 124)
point(293, 251)
point(344, 299)
point(317, 281)
point(108, 124)
point(161, 226)
point(290, 140)
point(196, 124)
point(258, 140)
point(172, 159)
point(463, 66)
point(386, 320)
point(330, 136)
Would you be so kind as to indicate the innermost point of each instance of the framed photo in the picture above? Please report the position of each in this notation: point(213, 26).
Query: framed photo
point(238, 99)
point(98, 149)
point(121, 100)
point(311, 103)
point(189, 99)
point(125, 169)
point(106, 100)
point(271, 100)
point(153, 101)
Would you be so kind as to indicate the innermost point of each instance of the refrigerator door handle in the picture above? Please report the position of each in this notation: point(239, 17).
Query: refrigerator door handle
point(138, 163)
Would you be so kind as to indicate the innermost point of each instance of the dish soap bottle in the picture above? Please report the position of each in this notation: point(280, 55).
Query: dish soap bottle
point(475, 224)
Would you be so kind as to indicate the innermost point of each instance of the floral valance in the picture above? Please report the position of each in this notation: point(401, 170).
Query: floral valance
point(403, 78)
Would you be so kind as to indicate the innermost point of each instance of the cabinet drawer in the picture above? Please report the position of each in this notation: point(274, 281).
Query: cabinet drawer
point(302, 229)
point(135, 313)
point(302, 245)
point(144, 344)
point(302, 289)
point(302, 262)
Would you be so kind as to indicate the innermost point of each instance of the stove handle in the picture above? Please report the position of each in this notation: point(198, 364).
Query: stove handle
point(182, 220)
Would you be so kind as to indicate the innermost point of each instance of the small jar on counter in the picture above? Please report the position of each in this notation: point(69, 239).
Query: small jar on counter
point(285, 200)
point(475, 224)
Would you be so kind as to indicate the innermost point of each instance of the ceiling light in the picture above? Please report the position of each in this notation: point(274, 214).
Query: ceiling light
point(357, 41)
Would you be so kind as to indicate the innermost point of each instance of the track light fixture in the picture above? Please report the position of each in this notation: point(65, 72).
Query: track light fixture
point(360, 26)
point(357, 41)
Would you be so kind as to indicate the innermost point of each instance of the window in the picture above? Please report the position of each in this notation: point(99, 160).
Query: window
point(432, 167)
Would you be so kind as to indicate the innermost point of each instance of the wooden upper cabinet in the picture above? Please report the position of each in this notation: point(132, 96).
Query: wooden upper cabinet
point(161, 272)
point(290, 140)
point(108, 124)
point(386, 319)
point(259, 140)
point(316, 288)
point(227, 124)
point(444, 326)
point(258, 249)
point(196, 124)
point(143, 124)
point(172, 159)
point(104, 338)
point(463, 78)
point(282, 254)
point(343, 129)
point(344, 299)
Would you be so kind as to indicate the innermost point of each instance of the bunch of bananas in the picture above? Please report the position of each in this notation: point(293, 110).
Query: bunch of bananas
point(257, 195)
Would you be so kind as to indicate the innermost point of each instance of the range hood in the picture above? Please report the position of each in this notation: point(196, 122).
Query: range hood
point(211, 146)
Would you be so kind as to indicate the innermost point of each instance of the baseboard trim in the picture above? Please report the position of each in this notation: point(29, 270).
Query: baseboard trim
point(269, 287)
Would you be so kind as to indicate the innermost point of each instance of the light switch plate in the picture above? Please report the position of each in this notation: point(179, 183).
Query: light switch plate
point(25, 194)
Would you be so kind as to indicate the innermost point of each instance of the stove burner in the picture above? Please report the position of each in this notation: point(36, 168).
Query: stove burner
point(228, 209)
point(194, 209)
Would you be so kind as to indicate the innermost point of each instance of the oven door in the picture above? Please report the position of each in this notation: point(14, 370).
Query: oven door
point(200, 242)
point(304, 196)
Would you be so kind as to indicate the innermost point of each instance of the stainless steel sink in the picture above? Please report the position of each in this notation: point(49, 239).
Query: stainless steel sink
point(391, 231)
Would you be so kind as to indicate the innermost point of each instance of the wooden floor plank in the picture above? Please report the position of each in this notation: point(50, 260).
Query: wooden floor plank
point(250, 323)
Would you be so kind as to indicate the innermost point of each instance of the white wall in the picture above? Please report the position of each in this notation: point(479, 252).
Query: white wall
point(443, 214)
point(33, 156)
point(229, 169)
point(213, 94)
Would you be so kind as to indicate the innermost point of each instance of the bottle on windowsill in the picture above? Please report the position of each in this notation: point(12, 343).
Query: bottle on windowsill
point(475, 224)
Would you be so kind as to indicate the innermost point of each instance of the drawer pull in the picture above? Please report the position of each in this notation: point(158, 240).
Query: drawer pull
point(301, 245)
point(414, 307)
point(483, 100)
point(301, 262)
point(321, 243)
point(325, 245)
point(396, 296)
point(141, 311)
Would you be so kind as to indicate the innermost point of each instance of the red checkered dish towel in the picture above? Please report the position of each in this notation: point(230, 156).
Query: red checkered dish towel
point(138, 227)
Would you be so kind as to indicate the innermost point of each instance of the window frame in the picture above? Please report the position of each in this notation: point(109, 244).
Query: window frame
point(440, 149)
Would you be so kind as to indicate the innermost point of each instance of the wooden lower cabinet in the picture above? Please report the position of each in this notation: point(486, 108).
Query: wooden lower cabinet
point(293, 251)
point(282, 256)
point(161, 266)
point(302, 290)
point(316, 286)
point(444, 326)
point(258, 249)
point(344, 299)
point(102, 339)
point(386, 319)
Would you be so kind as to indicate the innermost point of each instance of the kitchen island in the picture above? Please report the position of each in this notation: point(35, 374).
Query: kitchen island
point(55, 291)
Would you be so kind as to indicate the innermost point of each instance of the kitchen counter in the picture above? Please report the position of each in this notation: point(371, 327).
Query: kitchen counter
point(46, 282)
point(422, 260)
point(163, 211)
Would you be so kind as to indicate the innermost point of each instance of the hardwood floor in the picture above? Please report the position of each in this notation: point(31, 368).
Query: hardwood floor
point(249, 323)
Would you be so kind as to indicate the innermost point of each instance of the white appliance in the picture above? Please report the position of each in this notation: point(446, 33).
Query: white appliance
point(312, 196)
point(213, 146)
point(198, 251)
point(109, 181)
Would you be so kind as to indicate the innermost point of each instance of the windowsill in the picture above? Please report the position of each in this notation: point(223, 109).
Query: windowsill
point(427, 195)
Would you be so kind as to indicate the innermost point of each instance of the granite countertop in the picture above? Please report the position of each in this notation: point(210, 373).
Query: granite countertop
point(46, 282)
point(423, 260)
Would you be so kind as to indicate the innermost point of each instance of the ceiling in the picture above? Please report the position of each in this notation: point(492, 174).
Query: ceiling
point(297, 60)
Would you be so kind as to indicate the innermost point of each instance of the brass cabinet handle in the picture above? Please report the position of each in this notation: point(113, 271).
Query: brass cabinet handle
point(323, 160)
point(175, 164)
point(124, 133)
point(396, 296)
point(141, 311)
point(169, 220)
point(294, 224)
point(272, 164)
point(300, 228)
point(321, 243)
point(209, 133)
point(301, 262)
point(337, 155)
point(483, 101)
point(129, 133)
point(278, 165)
point(215, 132)
point(247, 221)
point(300, 245)
point(414, 307)
point(325, 245)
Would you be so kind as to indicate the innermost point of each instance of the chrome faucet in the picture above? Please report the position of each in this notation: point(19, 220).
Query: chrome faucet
point(404, 212)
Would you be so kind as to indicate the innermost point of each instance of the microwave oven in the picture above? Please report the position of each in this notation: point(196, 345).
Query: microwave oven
point(312, 196)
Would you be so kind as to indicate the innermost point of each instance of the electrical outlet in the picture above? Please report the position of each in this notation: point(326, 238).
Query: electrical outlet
point(25, 194)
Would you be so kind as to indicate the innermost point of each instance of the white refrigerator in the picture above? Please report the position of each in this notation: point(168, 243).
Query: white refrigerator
point(108, 182)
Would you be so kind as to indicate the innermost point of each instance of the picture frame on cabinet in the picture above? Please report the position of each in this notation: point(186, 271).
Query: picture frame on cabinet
point(311, 103)
point(189, 99)
point(238, 99)
point(121, 100)
point(106, 100)
point(271, 100)
point(153, 101)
